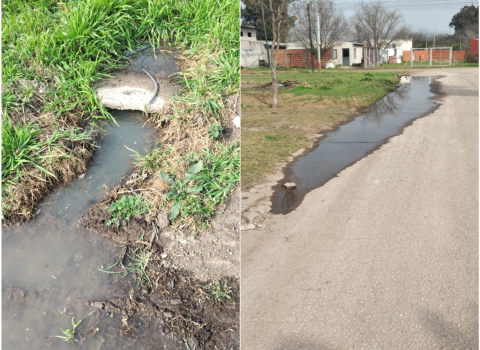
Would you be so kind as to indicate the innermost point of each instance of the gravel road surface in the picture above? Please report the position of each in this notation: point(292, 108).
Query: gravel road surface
point(384, 256)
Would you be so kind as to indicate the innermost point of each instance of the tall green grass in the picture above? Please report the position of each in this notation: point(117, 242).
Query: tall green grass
point(54, 53)
point(22, 147)
point(74, 44)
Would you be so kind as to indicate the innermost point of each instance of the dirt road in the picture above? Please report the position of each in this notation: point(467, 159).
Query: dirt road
point(384, 256)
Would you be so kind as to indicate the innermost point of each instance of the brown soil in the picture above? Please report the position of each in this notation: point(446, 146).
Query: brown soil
point(286, 84)
point(176, 303)
point(181, 308)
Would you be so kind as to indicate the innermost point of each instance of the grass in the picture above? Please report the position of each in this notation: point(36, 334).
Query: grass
point(54, 53)
point(139, 259)
point(69, 333)
point(219, 290)
point(315, 104)
point(125, 207)
point(22, 146)
point(191, 185)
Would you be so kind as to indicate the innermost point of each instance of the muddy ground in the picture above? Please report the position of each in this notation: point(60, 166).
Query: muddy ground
point(178, 302)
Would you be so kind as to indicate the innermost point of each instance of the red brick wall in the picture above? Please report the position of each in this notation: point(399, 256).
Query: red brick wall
point(474, 45)
point(296, 58)
point(437, 54)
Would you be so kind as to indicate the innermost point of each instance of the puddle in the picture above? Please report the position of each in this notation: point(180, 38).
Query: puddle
point(161, 65)
point(352, 141)
point(55, 262)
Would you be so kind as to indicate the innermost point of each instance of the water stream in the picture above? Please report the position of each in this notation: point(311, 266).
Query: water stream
point(56, 262)
point(351, 142)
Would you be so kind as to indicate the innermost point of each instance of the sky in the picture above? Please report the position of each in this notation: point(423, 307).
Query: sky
point(433, 15)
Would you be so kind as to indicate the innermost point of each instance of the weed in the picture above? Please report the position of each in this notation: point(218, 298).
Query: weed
point(180, 190)
point(219, 290)
point(21, 146)
point(69, 333)
point(214, 131)
point(209, 180)
point(139, 259)
point(126, 207)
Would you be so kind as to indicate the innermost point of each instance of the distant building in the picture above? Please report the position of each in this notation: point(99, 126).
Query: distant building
point(344, 53)
point(347, 53)
point(252, 52)
point(396, 48)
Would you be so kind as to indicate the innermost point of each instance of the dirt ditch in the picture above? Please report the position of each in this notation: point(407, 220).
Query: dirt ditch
point(179, 307)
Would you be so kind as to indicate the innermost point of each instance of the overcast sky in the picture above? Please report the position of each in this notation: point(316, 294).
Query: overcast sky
point(419, 14)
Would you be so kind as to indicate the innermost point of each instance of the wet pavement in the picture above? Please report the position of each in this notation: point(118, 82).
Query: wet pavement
point(352, 141)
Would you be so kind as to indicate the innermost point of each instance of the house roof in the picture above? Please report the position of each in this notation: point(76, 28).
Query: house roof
point(248, 27)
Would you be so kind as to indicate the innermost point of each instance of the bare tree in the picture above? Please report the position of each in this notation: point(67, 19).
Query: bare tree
point(333, 28)
point(378, 27)
point(278, 11)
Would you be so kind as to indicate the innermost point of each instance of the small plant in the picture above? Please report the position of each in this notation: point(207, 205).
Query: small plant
point(211, 178)
point(69, 333)
point(214, 131)
point(219, 290)
point(180, 190)
point(140, 258)
point(126, 207)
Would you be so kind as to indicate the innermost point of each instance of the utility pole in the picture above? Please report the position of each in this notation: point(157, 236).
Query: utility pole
point(266, 41)
point(310, 35)
point(460, 43)
point(319, 57)
point(434, 38)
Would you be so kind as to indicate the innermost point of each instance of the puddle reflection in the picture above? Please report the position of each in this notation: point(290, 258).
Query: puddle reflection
point(353, 141)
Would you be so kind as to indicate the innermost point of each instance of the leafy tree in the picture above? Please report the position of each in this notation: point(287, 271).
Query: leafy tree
point(466, 20)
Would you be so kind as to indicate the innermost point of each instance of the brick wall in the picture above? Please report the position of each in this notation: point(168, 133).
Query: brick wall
point(296, 58)
point(437, 54)
point(474, 45)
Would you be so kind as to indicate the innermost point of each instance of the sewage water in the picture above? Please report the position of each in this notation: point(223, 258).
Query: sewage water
point(56, 263)
point(352, 141)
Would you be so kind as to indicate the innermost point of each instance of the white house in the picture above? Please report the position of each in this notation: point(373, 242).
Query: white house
point(347, 53)
point(344, 53)
point(396, 48)
point(252, 51)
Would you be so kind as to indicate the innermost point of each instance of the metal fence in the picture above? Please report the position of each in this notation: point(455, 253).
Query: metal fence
point(438, 56)
point(371, 57)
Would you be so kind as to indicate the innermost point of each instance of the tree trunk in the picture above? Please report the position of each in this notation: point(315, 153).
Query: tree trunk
point(274, 86)
point(274, 56)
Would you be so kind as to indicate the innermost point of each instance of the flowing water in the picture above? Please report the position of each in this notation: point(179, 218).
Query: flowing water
point(51, 267)
point(353, 141)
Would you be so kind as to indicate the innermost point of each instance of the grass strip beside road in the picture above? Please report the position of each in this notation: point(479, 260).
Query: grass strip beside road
point(313, 103)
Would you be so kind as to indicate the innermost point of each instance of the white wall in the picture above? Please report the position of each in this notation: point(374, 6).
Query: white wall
point(250, 52)
point(244, 32)
point(399, 46)
point(356, 53)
